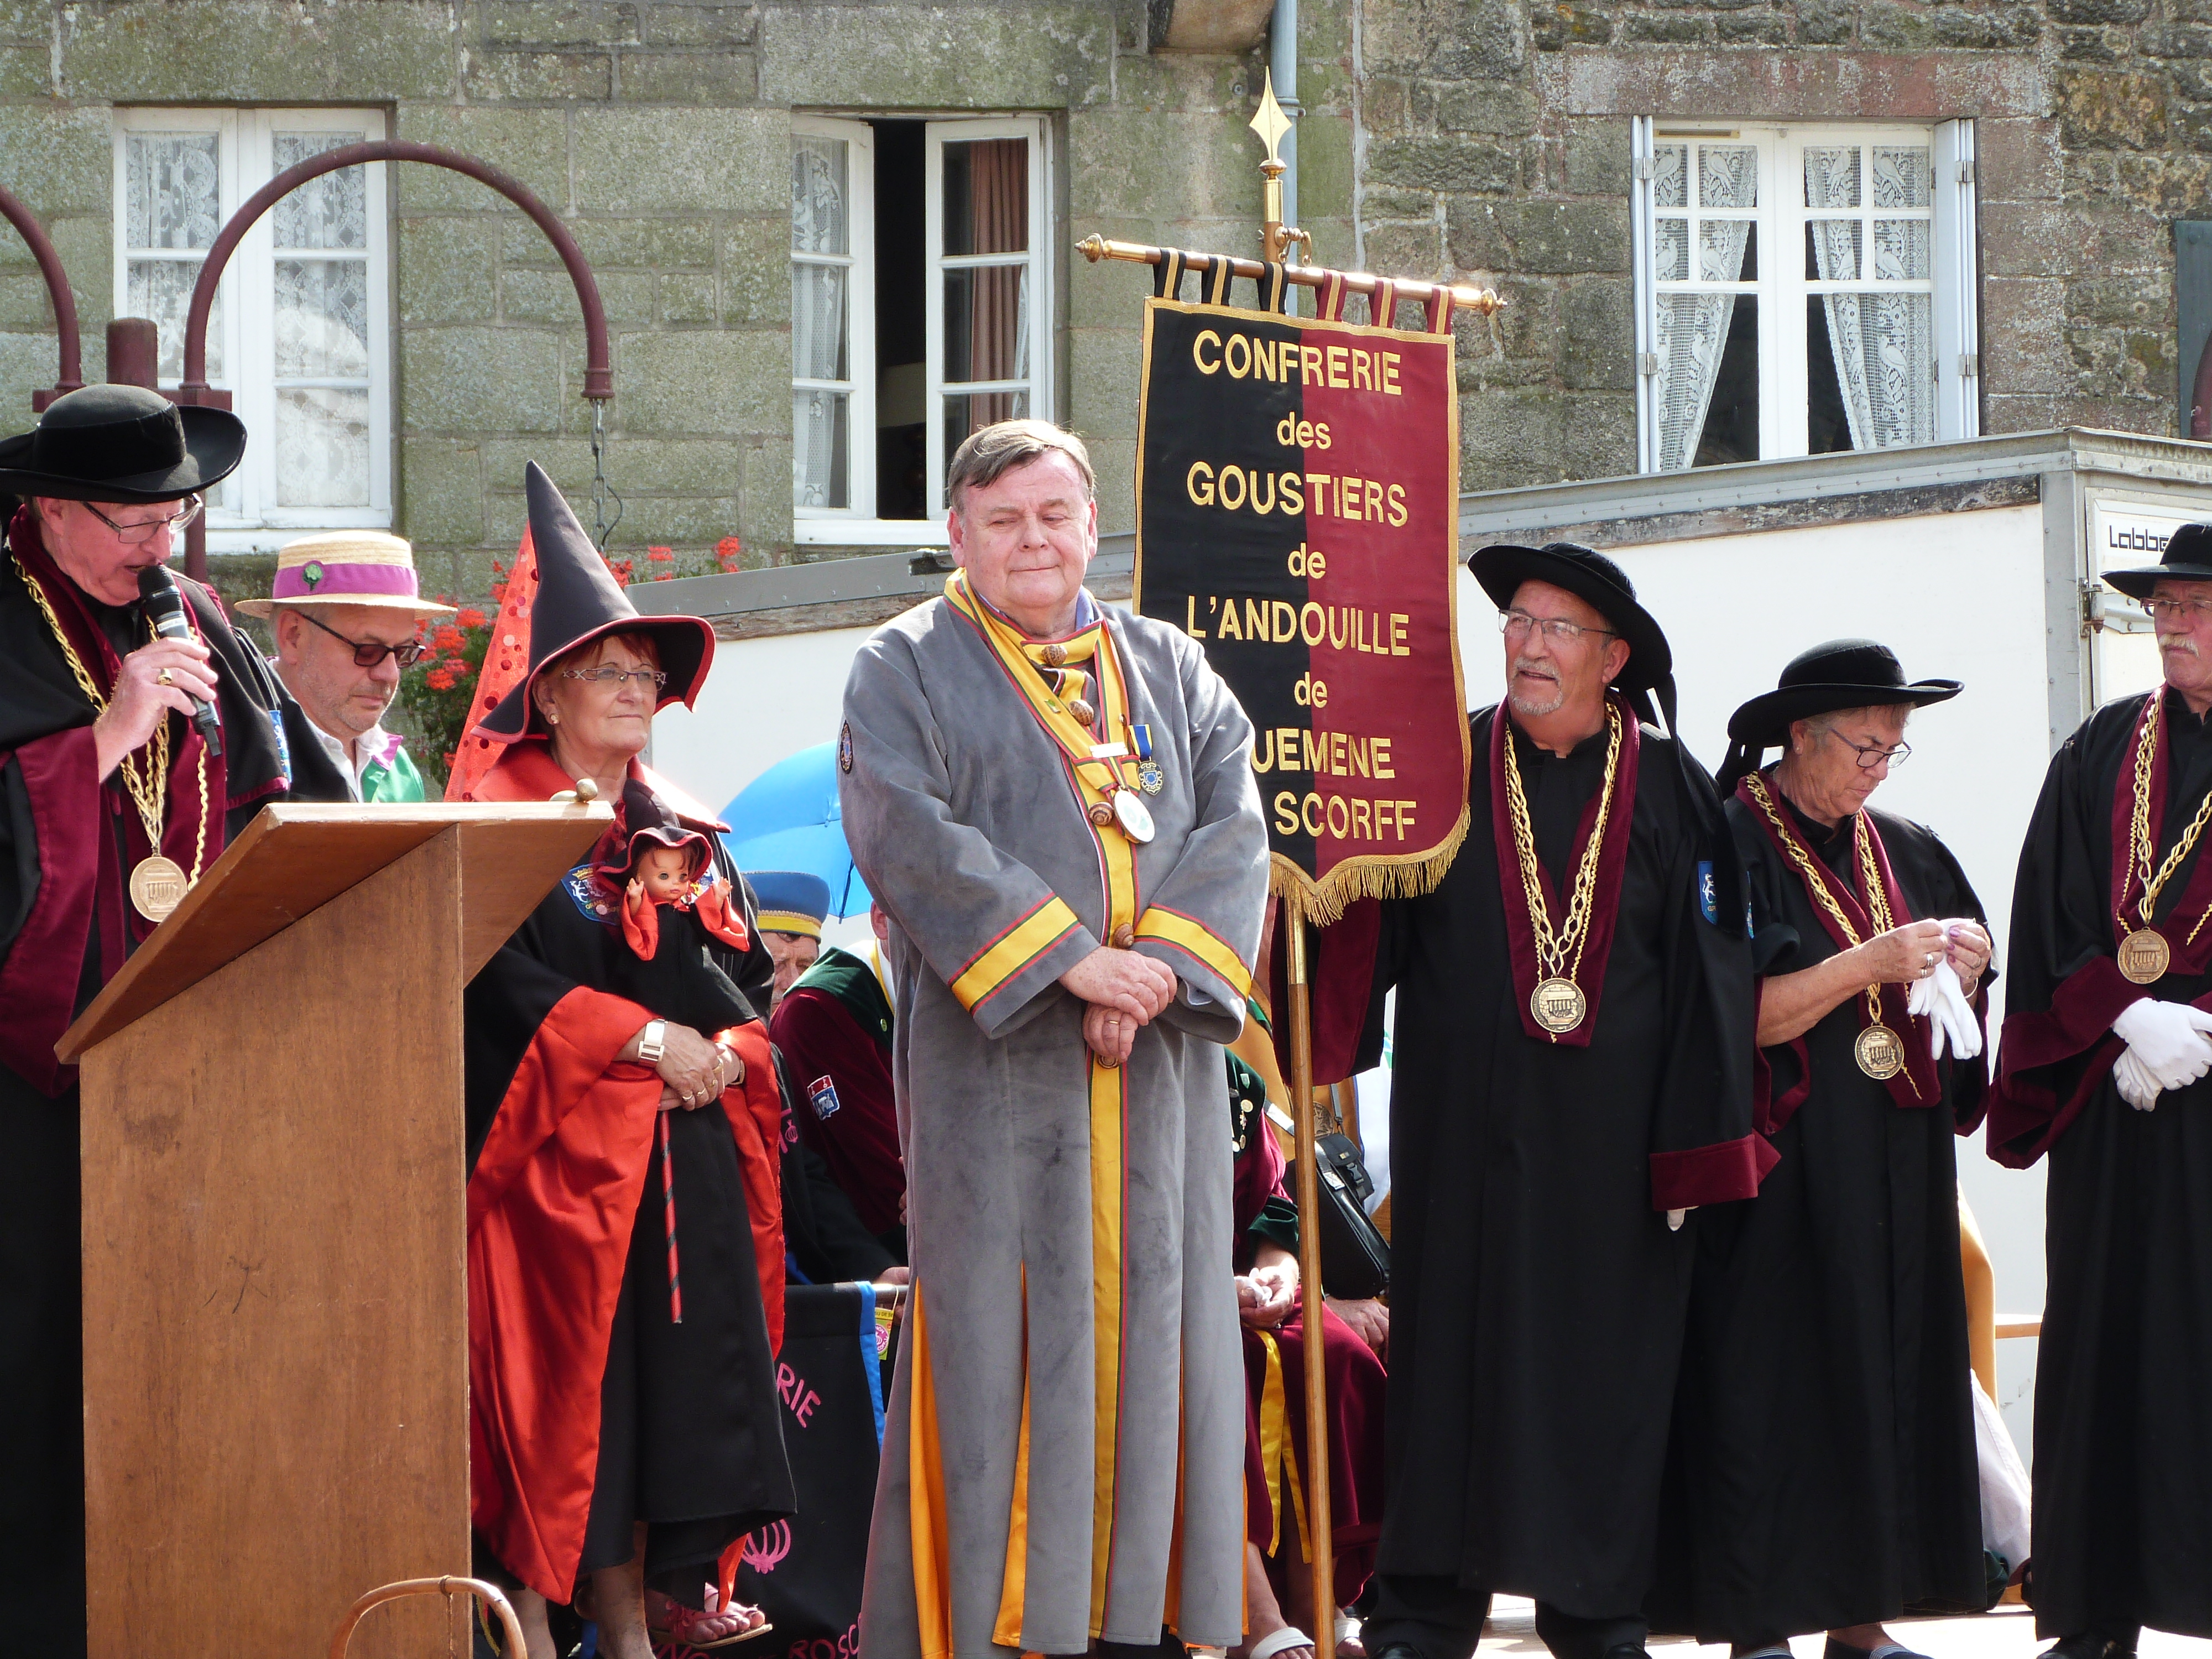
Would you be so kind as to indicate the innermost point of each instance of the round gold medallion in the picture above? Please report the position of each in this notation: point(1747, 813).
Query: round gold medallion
point(157, 887)
point(2144, 956)
point(1880, 1053)
point(1558, 1005)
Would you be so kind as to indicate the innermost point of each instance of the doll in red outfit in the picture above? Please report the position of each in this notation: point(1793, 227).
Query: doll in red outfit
point(675, 906)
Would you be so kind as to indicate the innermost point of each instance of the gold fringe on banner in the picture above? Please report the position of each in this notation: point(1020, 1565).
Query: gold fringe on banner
point(1324, 901)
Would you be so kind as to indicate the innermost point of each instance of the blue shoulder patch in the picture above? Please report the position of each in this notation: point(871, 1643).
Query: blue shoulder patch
point(1708, 894)
point(590, 901)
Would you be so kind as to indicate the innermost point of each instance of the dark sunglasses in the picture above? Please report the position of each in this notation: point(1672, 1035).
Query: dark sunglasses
point(369, 655)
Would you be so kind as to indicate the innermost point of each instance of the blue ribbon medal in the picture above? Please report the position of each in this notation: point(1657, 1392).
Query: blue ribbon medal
point(1149, 778)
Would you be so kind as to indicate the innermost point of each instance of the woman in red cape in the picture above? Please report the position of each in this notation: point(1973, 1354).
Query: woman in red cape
point(618, 1451)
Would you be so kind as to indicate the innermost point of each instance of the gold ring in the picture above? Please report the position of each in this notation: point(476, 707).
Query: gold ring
point(165, 678)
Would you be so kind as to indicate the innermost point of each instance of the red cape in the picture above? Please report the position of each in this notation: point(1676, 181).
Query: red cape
point(551, 1204)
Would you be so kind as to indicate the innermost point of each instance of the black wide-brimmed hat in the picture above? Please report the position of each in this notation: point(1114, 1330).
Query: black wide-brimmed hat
point(121, 443)
point(2187, 558)
point(642, 817)
point(1589, 576)
point(578, 601)
point(1835, 674)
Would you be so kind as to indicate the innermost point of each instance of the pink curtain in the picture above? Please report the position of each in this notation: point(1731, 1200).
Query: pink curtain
point(998, 222)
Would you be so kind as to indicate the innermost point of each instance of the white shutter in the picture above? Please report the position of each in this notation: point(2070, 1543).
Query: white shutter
point(1639, 228)
point(1958, 312)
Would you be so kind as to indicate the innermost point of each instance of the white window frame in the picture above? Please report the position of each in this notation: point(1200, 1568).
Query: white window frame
point(249, 520)
point(830, 523)
point(1780, 288)
point(937, 263)
point(857, 526)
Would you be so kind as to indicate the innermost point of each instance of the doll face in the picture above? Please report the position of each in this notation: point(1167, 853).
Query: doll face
point(666, 871)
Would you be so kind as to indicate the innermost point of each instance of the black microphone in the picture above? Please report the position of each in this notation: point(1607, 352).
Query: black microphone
point(164, 608)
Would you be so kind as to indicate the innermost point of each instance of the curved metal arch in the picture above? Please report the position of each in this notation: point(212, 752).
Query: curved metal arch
point(599, 375)
point(58, 289)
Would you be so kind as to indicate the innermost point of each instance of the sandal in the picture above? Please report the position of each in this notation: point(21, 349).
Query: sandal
point(1289, 1639)
point(667, 1620)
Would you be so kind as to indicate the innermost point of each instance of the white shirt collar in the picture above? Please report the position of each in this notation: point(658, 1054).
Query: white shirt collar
point(370, 746)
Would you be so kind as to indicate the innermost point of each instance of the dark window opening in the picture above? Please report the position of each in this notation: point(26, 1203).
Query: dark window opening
point(902, 329)
point(1731, 430)
point(1827, 426)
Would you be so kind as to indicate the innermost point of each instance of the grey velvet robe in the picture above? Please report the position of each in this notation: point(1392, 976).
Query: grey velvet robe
point(962, 817)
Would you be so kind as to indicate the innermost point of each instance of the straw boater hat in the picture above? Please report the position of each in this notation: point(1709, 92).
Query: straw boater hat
point(2187, 558)
point(121, 443)
point(578, 601)
point(1837, 674)
point(347, 567)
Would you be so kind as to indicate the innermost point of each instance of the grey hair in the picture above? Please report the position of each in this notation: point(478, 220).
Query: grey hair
point(991, 451)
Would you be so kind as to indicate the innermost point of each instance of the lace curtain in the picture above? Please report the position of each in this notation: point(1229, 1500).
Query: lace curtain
point(1883, 343)
point(1693, 329)
point(319, 234)
point(171, 202)
point(820, 208)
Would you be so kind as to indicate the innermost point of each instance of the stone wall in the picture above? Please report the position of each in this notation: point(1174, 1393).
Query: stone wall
point(1494, 143)
point(659, 132)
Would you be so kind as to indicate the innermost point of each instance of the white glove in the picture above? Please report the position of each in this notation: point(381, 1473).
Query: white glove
point(2136, 1085)
point(1943, 1001)
point(2168, 1038)
point(1676, 1217)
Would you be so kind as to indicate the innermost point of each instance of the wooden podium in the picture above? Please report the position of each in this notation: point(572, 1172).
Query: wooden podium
point(275, 1325)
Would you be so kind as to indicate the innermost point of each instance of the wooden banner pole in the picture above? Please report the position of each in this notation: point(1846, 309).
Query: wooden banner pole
point(1318, 1528)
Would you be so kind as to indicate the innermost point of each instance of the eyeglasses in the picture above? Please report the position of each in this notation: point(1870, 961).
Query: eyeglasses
point(2178, 613)
point(368, 653)
point(139, 531)
point(1872, 755)
point(605, 676)
point(1516, 624)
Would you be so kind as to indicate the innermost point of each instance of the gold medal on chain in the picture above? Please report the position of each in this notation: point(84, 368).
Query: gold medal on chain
point(1880, 1053)
point(1559, 1004)
point(2144, 957)
point(157, 884)
point(2144, 954)
point(1879, 1050)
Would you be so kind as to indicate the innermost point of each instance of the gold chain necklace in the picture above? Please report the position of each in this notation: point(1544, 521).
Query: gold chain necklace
point(157, 884)
point(2144, 954)
point(1559, 1002)
point(1879, 1050)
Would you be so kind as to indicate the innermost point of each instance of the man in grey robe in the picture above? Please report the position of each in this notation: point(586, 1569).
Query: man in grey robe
point(1055, 806)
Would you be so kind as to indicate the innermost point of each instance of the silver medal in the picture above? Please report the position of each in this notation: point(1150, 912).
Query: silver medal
point(1135, 818)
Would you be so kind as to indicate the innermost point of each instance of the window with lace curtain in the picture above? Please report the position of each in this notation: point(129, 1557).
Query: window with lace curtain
point(300, 335)
point(1802, 290)
point(919, 312)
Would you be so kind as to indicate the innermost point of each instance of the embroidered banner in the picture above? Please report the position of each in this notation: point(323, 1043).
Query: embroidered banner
point(1298, 514)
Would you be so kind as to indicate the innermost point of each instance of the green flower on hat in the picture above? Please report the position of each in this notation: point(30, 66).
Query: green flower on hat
point(312, 572)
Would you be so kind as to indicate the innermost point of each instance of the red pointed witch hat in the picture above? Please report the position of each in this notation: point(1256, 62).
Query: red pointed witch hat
point(578, 601)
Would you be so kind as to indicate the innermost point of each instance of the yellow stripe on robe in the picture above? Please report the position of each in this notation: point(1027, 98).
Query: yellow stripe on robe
point(927, 1516)
point(1173, 927)
point(1014, 951)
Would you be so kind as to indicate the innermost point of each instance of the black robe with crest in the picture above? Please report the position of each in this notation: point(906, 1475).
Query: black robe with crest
point(1538, 1298)
point(2123, 1468)
point(1829, 1407)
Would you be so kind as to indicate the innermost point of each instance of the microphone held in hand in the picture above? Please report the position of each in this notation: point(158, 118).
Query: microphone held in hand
point(164, 608)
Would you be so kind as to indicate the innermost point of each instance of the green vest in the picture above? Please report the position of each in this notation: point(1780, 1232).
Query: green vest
point(392, 781)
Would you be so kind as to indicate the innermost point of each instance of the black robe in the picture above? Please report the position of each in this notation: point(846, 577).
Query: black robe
point(2123, 1466)
point(41, 1368)
point(1830, 1409)
point(690, 1438)
point(1538, 1297)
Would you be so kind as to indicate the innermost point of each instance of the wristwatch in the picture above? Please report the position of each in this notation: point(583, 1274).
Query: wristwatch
point(654, 1042)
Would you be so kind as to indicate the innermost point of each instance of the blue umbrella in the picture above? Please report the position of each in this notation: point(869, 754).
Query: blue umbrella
point(787, 818)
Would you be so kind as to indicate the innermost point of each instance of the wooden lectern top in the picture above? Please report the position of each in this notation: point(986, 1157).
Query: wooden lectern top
point(295, 858)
